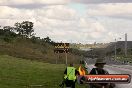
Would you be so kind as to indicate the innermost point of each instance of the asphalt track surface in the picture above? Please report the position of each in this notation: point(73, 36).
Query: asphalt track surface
point(116, 69)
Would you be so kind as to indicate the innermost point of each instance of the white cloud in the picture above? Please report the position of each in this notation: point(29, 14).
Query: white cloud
point(64, 23)
point(114, 10)
point(101, 1)
point(29, 2)
point(54, 1)
point(58, 12)
point(14, 13)
point(91, 25)
point(58, 22)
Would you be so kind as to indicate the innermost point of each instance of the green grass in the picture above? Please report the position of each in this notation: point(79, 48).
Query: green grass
point(123, 58)
point(21, 73)
point(26, 49)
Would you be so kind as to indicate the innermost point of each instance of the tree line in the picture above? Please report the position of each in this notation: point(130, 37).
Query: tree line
point(22, 30)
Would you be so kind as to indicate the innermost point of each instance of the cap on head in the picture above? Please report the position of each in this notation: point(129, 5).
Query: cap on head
point(81, 61)
point(100, 61)
point(71, 64)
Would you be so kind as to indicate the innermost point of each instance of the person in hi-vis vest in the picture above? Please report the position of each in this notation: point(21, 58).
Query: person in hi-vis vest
point(70, 76)
point(82, 72)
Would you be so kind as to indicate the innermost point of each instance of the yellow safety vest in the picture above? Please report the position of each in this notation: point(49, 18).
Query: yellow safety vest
point(70, 73)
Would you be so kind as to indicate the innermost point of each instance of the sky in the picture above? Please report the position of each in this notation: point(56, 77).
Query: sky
point(76, 21)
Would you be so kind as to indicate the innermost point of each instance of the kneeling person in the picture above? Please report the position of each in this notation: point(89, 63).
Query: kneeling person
point(70, 76)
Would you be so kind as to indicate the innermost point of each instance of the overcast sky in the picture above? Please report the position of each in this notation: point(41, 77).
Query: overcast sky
point(84, 21)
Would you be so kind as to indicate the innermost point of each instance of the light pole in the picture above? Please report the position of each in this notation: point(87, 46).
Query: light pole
point(125, 44)
point(116, 47)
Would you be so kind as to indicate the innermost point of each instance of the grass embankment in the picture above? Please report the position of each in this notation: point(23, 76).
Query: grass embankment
point(22, 73)
point(125, 59)
point(26, 49)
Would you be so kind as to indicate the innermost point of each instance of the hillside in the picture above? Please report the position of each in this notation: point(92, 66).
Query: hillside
point(20, 41)
point(25, 48)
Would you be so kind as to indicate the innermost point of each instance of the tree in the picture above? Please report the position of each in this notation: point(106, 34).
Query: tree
point(19, 29)
point(7, 33)
point(25, 28)
point(28, 28)
point(47, 39)
point(118, 50)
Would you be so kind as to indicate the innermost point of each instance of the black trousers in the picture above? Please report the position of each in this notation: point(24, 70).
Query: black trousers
point(70, 83)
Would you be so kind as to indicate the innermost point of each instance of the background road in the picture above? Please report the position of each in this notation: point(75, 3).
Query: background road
point(114, 69)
